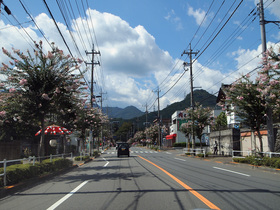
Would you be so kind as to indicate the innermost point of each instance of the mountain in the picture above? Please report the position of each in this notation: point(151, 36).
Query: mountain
point(131, 113)
point(126, 113)
point(200, 96)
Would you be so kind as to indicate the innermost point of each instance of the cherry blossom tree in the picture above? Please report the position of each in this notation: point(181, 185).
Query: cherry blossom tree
point(268, 80)
point(152, 132)
point(202, 117)
point(40, 84)
point(244, 98)
point(187, 130)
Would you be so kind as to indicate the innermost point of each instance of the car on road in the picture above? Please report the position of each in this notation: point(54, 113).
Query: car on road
point(123, 148)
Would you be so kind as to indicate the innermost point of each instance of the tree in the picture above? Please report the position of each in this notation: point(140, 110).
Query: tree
point(152, 132)
point(40, 84)
point(221, 121)
point(202, 117)
point(268, 80)
point(187, 130)
point(248, 103)
point(124, 131)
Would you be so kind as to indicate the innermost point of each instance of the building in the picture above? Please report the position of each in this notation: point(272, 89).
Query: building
point(233, 121)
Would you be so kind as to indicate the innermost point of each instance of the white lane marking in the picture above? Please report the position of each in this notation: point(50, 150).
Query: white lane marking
point(231, 171)
point(105, 163)
point(169, 153)
point(66, 196)
point(179, 159)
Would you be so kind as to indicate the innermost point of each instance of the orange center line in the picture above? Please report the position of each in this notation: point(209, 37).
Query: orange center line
point(198, 195)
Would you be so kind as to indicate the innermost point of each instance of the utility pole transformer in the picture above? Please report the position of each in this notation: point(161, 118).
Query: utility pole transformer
point(190, 53)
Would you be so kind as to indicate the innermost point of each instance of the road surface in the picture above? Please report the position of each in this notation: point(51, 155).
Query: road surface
point(152, 180)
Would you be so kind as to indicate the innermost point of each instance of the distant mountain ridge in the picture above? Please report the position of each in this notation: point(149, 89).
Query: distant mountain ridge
point(126, 113)
point(130, 112)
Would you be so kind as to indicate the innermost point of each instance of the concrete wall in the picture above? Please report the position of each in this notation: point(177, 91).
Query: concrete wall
point(251, 142)
point(227, 140)
point(10, 150)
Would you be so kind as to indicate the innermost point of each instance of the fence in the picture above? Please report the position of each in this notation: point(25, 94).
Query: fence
point(29, 160)
point(193, 151)
point(243, 154)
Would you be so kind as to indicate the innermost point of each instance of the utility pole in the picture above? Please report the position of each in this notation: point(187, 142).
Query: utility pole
point(269, 120)
point(159, 136)
point(146, 119)
point(101, 132)
point(190, 53)
point(92, 63)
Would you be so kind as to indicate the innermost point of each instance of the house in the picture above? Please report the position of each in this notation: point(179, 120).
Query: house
point(233, 121)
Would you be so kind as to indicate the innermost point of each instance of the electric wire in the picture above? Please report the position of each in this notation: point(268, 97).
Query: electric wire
point(25, 9)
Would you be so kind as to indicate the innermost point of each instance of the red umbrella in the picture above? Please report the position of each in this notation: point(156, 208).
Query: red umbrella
point(54, 130)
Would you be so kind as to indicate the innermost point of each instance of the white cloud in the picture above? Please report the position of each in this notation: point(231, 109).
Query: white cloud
point(198, 14)
point(132, 63)
point(174, 19)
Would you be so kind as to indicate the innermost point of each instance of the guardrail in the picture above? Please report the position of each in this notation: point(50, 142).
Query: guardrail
point(243, 154)
point(193, 151)
point(28, 160)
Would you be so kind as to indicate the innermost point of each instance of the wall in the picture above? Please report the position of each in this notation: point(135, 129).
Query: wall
point(10, 150)
point(251, 142)
point(227, 140)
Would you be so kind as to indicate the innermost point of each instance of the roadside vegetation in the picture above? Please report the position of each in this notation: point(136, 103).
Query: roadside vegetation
point(20, 172)
point(273, 162)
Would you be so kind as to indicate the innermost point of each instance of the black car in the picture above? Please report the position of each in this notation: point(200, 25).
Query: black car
point(123, 149)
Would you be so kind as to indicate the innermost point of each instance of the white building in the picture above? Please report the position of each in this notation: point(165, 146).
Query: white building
point(233, 121)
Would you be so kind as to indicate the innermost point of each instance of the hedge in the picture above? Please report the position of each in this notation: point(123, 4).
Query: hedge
point(184, 144)
point(273, 162)
point(20, 172)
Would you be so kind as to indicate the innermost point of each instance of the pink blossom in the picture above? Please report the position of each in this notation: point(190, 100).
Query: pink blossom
point(2, 113)
point(12, 90)
point(23, 82)
point(57, 90)
point(5, 51)
point(79, 60)
point(45, 96)
point(50, 55)
point(5, 66)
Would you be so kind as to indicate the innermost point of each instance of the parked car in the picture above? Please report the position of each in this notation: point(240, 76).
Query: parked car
point(123, 148)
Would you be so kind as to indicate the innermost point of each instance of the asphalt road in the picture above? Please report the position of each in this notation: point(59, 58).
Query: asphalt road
point(152, 180)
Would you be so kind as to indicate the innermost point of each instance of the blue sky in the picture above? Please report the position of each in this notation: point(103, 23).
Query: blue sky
point(141, 42)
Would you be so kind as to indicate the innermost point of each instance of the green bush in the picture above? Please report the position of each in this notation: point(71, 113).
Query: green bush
point(260, 161)
point(84, 158)
point(20, 172)
point(95, 153)
point(200, 155)
point(181, 144)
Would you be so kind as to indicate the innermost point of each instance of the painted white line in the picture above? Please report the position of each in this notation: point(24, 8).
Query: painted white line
point(231, 171)
point(169, 153)
point(67, 196)
point(105, 163)
point(179, 159)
